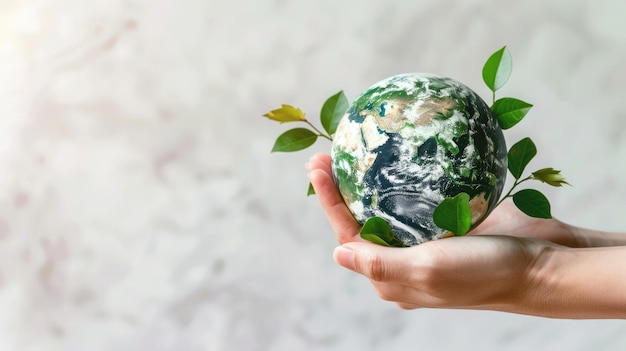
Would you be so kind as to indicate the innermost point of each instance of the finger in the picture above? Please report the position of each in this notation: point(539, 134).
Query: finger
point(408, 296)
point(394, 292)
point(408, 306)
point(320, 161)
point(401, 275)
point(341, 220)
point(376, 262)
point(405, 296)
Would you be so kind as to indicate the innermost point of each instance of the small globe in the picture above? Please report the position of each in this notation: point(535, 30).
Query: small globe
point(412, 140)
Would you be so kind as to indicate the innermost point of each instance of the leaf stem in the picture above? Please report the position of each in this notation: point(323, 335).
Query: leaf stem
point(319, 133)
point(515, 184)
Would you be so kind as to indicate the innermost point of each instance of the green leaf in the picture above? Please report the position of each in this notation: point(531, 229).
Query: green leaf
point(378, 231)
point(550, 176)
point(286, 113)
point(332, 111)
point(497, 69)
point(454, 214)
point(510, 111)
point(310, 191)
point(532, 203)
point(294, 140)
point(520, 155)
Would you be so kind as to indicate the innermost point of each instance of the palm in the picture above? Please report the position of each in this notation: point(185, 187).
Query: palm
point(506, 219)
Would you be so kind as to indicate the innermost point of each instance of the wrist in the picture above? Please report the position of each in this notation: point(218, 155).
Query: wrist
point(595, 238)
point(575, 283)
point(530, 292)
point(542, 280)
point(524, 284)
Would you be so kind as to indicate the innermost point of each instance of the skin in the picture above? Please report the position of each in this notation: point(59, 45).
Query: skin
point(510, 263)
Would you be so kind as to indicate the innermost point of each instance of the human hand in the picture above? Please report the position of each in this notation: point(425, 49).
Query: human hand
point(480, 272)
point(483, 271)
point(510, 263)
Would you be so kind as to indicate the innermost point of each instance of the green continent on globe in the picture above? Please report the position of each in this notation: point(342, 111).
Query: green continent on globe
point(412, 140)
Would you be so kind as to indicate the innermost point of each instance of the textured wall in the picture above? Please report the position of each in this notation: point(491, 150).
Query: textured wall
point(140, 208)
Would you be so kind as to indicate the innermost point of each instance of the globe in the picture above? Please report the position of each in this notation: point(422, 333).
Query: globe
point(412, 140)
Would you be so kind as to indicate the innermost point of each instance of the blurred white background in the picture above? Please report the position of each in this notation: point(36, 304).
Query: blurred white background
point(141, 209)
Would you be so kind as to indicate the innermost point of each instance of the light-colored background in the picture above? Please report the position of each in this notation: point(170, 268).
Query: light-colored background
point(141, 209)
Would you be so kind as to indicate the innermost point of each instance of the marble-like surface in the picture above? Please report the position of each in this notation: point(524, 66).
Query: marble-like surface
point(141, 209)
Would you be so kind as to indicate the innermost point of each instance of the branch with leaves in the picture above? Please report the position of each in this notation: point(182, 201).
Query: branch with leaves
point(454, 213)
point(297, 139)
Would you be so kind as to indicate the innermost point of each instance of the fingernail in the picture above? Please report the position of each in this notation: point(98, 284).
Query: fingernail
point(344, 257)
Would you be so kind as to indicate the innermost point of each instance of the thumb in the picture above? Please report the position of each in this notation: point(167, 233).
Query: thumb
point(379, 263)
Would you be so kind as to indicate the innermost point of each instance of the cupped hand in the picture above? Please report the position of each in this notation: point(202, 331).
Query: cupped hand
point(481, 272)
point(510, 262)
point(487, 270)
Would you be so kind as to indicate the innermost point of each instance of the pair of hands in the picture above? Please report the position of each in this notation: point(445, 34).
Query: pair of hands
point(493, 267)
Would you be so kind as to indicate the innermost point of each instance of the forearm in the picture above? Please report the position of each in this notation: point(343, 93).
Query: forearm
point(596, 238)
point(577, 284)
